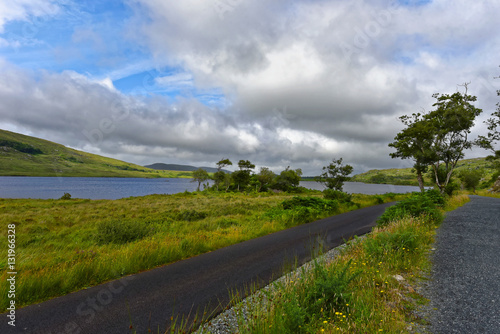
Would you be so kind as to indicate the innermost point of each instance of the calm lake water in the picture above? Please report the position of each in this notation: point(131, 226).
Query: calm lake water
point(114, 188)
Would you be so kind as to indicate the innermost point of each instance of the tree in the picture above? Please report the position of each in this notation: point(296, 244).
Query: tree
point(245, 165)
point(451, 125)
point(220, 175)
point(223, 163)
point(242, 177)
point(438, 138)
point(470, 178)
point(288, 179)
point(413, 143)
point(200, 175)
point(265, 177)
point(489, 141)
point(335, 174)
point(227, 181)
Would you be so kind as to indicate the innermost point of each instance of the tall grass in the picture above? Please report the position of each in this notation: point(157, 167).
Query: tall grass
point(66, 245)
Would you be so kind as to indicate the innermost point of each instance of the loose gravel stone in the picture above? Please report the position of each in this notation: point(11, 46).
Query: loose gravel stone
point(464, 285)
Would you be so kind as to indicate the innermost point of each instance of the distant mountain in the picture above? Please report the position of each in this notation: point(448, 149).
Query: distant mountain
point(181, 168)
point(22, 155)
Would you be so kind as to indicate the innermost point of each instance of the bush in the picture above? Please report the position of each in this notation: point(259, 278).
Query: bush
point(451, 187)
point(416, 205)
point(338, 195)
point(310, 202)
point(66, 196)
point(435, 196)
point(21, 147)
point(121, 232)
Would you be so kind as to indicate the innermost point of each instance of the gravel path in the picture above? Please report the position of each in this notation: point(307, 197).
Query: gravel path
point(464, 287)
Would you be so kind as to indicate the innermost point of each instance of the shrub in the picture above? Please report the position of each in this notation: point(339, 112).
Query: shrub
point(66, 196)
point(310, 202)
point(338, 195)
point(435, 196)
point(416, 205)
point(21, 147)
point(121, 232)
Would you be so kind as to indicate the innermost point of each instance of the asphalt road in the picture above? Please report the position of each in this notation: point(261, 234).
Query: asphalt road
point(202, 283)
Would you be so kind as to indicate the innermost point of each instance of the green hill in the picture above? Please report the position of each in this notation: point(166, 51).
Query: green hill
point(22, 155)
point(404, 176)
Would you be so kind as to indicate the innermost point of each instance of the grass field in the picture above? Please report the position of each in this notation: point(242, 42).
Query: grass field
point(66, 245)
point(22, 155)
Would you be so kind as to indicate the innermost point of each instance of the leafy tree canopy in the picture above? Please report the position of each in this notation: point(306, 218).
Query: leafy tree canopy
point(335, 174)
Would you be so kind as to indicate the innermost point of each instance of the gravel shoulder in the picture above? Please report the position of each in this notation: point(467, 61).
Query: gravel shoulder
point(464, 284)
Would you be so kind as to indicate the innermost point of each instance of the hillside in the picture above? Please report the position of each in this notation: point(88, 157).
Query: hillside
point(22, 155)
point(404, 176)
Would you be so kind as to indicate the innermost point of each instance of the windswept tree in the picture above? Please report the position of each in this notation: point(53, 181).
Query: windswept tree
point(334, 175)
point(219, 176)
point(200, 175)
point(288, 179)
point(265, 177)
point(413, 143)
point(451, 122)
point(242, 177)
point(438, 138)
point(245, 165)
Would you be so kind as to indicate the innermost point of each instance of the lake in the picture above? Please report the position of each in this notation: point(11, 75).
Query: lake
point(114, 188)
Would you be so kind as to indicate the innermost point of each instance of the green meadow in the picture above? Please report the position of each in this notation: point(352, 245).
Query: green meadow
point(67, 245)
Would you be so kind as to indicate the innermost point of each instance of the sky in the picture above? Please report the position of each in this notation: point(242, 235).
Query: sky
point(278, 82)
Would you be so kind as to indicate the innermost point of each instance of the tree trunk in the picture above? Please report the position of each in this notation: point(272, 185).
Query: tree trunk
point(420, 179)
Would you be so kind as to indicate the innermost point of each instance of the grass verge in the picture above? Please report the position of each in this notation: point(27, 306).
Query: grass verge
point(367, 288)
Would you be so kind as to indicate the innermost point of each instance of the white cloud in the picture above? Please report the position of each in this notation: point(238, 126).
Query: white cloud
point(176, 81)
point(24, 10)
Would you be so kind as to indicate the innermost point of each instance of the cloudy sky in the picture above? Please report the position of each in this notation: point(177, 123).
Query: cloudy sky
point(278, 82)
